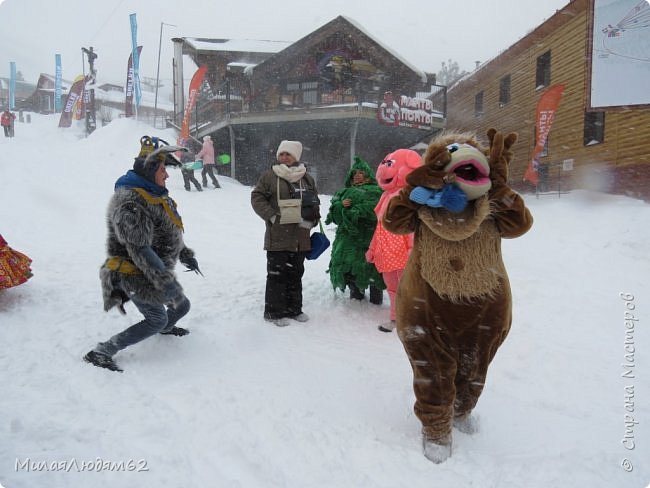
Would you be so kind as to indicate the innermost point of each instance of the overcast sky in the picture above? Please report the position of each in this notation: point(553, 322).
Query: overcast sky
point(424, 32)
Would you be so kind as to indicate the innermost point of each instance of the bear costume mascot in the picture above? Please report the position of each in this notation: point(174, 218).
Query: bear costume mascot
point(454, 306)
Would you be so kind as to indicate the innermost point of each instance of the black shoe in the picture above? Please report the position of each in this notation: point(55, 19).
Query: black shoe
point(387, 326)
point(205, 185)
point(198, 188)
point(101, 361)
point(176, 331)
point(355, 293)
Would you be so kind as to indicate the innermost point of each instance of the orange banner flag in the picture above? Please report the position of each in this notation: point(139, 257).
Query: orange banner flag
point(546, 108)
point(195, 85)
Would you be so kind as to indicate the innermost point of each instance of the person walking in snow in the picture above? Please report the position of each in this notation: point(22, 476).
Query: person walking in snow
point(352, 209)
point(207, 155)
point(7, 121)
point(187, 158)
point(145, 241)
point(277, 198)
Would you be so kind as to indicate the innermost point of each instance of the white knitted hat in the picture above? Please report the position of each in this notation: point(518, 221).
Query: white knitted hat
point(292, 147)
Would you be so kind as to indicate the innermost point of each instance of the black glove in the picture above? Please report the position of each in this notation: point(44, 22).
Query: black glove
point(192, 265)
point(118, 299)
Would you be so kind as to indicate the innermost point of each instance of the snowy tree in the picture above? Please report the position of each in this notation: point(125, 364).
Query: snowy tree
point(449, 73)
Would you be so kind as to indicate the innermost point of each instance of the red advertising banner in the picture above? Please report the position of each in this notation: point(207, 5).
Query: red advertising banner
point(73, 100)
point(195, 84)
point(546, 108)
point(408, 112)
point(130, 86)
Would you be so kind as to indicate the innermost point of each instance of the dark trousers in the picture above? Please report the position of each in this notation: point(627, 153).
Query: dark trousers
point(188, 176)
point(157, 318)
point(284, 272)
point(7, 129)
point(208, 169)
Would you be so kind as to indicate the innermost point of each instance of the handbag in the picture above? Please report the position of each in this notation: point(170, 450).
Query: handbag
point(319, 243)
point(290, 208)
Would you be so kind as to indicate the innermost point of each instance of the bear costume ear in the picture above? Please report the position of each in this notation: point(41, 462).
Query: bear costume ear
point(500, 155)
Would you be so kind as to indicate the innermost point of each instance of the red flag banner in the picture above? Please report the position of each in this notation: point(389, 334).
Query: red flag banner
point(130, 85)
point(72, 101)
point(195, 84)
point(546, 108)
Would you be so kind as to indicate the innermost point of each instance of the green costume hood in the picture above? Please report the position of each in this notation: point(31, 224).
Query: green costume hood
point(360, 165)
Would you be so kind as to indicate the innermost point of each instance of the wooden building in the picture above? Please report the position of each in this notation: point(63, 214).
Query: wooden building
point(610, 145)
point(42, 98)
point(324, 90)
point(21, 96)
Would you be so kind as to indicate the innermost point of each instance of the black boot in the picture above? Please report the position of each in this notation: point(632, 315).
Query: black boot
point(176, 331)
point(102, 361)
point(355, 293)
point(376, 295)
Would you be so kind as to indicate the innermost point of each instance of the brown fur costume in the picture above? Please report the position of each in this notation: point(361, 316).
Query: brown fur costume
point(454, 302)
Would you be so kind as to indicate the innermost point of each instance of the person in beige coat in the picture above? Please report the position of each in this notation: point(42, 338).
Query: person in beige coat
point(285, 197)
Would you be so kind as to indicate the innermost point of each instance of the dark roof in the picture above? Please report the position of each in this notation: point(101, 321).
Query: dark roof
point(373, 51)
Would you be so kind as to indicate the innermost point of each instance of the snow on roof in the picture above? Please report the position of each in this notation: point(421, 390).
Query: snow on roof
point(421, 73)
point(237, 45)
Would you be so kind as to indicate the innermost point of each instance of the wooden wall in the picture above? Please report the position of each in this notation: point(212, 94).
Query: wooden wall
point(626, 146)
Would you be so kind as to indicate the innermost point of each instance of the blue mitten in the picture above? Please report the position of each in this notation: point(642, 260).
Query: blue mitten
point(420, 194)
point(450, 197)
point(453, 198)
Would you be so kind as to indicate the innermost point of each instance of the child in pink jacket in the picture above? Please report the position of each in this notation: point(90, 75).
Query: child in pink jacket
point(390, 252)
point(207, 155)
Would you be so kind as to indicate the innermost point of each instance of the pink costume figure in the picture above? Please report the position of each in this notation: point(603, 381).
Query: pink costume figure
point(390, 252)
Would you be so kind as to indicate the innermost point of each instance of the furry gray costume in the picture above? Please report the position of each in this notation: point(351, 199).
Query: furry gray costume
point(145, 241)
point(135, 224)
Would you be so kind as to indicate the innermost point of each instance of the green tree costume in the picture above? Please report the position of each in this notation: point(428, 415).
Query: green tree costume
point(355, 227)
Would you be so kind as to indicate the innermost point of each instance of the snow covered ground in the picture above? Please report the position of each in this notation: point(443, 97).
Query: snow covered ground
point(241, 403)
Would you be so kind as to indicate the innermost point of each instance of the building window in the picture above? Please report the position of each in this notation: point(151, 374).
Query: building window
point(594, 128)
point(309, 92)
point(543, 74)
point(504, 91)
point(478, 104)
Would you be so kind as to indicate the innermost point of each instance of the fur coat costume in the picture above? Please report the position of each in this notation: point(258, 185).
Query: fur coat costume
point(355, 227)
point(141, 216)
point(454, 302)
